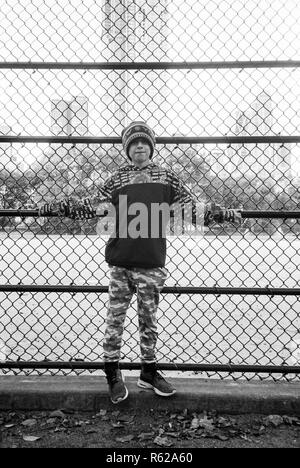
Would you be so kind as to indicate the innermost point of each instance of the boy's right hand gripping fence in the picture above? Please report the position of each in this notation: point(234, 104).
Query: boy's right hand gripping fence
point(62, 208)
point(69, 208)
point(83, 210)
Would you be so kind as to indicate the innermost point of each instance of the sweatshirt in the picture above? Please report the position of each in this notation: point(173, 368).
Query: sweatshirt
point(149, 185)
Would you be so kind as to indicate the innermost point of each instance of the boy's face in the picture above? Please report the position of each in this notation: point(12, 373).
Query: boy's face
point(139, 152)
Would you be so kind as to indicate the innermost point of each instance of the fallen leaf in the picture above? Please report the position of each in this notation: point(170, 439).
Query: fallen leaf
point(57, 414)
point(101, 413)
point(222, 437)
point(162, 441)
point(206, 424)
point(222, 422)
point(244, 437)
point(126, 419)
point(29, 422)
point(117, 425)
point(127, 438)
point(9, 426)
point(172, 434)
point(145, 435)
point(51, 421)
point(78, 423)
point(274, 420)
point(195, 423)
point(30, 438)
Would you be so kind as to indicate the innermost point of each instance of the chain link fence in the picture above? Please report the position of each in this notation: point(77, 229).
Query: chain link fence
point(219, 83)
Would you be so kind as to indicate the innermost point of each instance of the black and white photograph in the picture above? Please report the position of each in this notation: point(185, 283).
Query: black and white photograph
point(149, 227)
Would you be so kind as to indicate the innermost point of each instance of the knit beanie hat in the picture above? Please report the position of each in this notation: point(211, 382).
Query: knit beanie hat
point(137, 130)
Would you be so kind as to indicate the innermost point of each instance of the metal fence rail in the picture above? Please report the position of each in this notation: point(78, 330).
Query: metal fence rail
point(223, 97)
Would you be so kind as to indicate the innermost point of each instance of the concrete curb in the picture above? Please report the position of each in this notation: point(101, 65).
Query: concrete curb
point(89, 393)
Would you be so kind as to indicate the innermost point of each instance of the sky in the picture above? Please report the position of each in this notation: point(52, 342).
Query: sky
point(200, 103)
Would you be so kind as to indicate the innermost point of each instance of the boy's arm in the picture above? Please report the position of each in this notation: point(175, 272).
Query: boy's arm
point(220, 214)
point(85, 208)
point(205, 213)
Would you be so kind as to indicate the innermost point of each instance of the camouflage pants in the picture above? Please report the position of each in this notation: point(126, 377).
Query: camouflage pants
point(123, 283)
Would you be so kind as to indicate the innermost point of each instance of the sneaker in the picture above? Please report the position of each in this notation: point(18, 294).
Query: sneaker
point(117, 389)
point(154, 380)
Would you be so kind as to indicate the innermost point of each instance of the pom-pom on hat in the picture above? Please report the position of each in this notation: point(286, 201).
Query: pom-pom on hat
point(137, 130)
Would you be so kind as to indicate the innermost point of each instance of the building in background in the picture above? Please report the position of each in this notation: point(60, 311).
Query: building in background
point(135, 31)
point(69, 118)
point(264, 159)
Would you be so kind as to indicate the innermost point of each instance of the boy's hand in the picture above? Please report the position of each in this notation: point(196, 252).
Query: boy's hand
point(48, 209)
point(233, 216)
point(83, 210)
point(62, 208)
point(220, 214)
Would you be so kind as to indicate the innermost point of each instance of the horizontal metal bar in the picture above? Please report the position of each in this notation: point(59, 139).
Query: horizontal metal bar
point(34, 213)
point(73, 289)
point(280, 139)
point(25, 213)
point(270, 214)
point(151, 65)
point(163, 366)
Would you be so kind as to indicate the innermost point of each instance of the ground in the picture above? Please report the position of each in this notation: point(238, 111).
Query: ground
point(158, 430)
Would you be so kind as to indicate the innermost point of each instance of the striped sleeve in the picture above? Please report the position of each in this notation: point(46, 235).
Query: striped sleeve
point(183, 196)
point(102, 196)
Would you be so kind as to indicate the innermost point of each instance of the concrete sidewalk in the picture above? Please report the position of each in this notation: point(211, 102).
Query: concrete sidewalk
point(89, 393)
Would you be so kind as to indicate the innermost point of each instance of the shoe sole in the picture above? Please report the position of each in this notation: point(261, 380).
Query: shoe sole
point(120, 399)
point(148, 386)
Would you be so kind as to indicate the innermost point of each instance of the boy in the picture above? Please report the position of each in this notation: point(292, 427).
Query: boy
point(136, 257)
